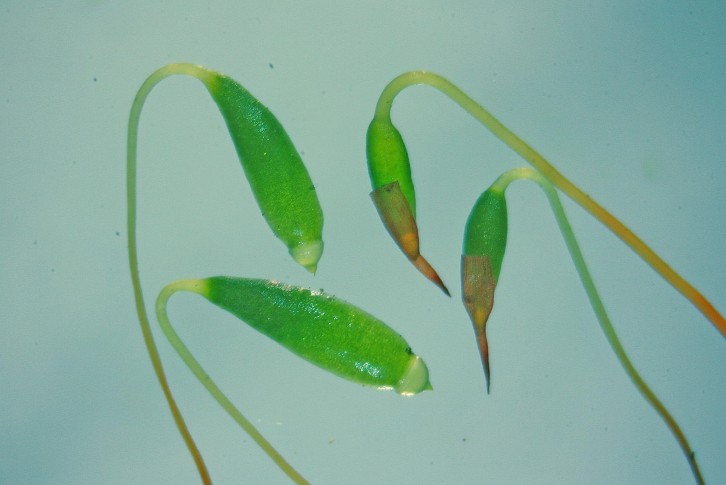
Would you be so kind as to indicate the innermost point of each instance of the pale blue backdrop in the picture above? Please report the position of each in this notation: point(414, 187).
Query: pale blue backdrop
point(626, 98)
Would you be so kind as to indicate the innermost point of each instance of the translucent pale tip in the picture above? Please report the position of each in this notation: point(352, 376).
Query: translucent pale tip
point(415, 379)
point(308, 254)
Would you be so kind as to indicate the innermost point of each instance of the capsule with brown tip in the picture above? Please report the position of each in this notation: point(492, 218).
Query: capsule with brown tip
point(485, 240)
point(400, 222)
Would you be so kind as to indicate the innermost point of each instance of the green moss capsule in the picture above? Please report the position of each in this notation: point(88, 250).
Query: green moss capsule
point(393, 192)
point(388, 159)
point(285, 194)
point(485, 237)
point(485, 240)
point(486, 229)
point(320, 328)
point(279, 180)
point(276, 173)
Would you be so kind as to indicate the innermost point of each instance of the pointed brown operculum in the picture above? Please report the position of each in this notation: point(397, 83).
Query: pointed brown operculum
point(396, 215)
point(429, 272)
point(478, 284)
point(400, 222)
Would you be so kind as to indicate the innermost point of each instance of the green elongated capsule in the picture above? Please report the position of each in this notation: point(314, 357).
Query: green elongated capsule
point(320, 328)
point(393, 192)
point(279, 180)
point(286, 196)
point(276, 173)
point(388, 159)
point(486, 228)
point(485, 240)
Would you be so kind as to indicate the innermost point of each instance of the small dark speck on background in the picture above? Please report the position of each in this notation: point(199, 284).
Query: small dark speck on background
point(271, 66)
point(95, 79)
point(118, 233)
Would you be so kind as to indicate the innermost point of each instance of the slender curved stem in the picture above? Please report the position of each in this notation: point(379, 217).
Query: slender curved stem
point(383, 112)
point(597, 305)
point(133, 253)
point(205, 77)
point(208, 383)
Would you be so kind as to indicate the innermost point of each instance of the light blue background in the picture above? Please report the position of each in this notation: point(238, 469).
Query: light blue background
point(626, 98)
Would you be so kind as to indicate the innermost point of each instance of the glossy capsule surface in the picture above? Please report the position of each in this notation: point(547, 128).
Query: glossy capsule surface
point(324, 330)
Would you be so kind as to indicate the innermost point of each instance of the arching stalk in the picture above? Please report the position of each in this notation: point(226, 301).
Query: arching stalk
point(131, 149)
point(593, 296)
point(281, 186)
point(383, 118)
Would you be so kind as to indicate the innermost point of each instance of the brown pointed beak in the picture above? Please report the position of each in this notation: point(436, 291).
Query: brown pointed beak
point(478, 284)
point(396, 214)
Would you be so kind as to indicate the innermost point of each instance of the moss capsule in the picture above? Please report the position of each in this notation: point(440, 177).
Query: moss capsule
point(485, 239)
point(286, 196)
point(279, 180)
point(388, 159)
point(486, 229)
point(322, 329)
point(393, 192)
point(276, 173)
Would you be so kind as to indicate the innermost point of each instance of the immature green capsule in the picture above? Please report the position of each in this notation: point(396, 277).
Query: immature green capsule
point(286, 196)
point(322, 329)
point(279, 180)
point(486, 228)
point(393, 192)
point(388, 159)
point(485, 239)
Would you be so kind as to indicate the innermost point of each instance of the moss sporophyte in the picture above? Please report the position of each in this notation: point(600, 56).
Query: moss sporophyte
point(320, 328)
point(330, 332)
point(486, 230)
